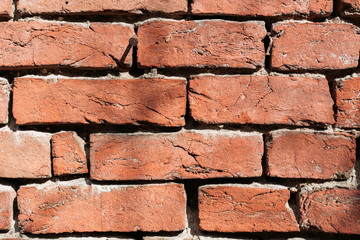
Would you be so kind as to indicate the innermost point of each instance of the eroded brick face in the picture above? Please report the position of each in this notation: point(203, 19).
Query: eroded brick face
point(256, 8)
point(79, 7)
point(89, 101)
point(6, 9)
point(314, 46)
point(6, 208)
point(246, 99)
point(332, 210)
point(201, 44)
point(317, 155)
point(48, 44)
point(100, 209)
point(349, 8)
point(245, 209)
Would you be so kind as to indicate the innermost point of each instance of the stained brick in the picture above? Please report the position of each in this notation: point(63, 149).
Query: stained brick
point(201, 44)
point(38, 44)
point(316, 155)
point(4, 100)
point(112, 101)
point(64, 209)
point(172, 156)
point(245, 99)
point(314, 46)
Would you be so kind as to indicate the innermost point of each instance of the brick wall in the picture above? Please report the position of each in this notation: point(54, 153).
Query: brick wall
point(176, 119)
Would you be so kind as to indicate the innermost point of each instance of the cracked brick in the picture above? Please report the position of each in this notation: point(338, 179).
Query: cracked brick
point(201, 44)
point(246, 99)
point(187, 155)
point(67, 209)
point(310, 155)
point(89, 101)
point(40, 43)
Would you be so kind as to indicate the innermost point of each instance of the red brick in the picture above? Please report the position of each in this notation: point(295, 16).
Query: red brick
point(349, 8)
point(6, 8)
point(256, 8)
point(4, 100)
point(68, 152)
point(113, 101)
point(332, 211)
point(316, 155)
point(233, 208)
point(61, 209)
point(7, 196)
point(348, 103)
point(201, 44)
point(245, 99)
point(175, 156)
point(314, 46)
point(25, 155)
point(39, 44)
point(108, 7)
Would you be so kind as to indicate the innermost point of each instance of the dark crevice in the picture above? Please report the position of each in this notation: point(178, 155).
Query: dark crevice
point(16, 13)
point(263, 159)
point(332, 89)
point(192, 210)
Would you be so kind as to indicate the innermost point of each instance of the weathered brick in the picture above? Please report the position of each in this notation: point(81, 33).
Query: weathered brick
point(4, 100)
point(68, 152)
point(113, 101)
point(7, 195)
point(175, 156)
point(316, 155)
point(25, 155)
point(108, 7)
point(61, 209)
point(256, 8)
point(201, 44)
point(6, 8)
point(348, 102)
point(38, 44)
point(332, 211)
point(349, 8)
point(234, 208)
point(245, 99)
point(314, 46)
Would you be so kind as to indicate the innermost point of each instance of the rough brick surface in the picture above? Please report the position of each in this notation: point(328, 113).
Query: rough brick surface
point(332, 211)
point(35, 7)
point(37, 44)
point(68, 152)
point(232, 208)
point(349, 8)
point(173, 156)
point(60, 209)
point(201, 43)
point(314, 46)
point(7, 196)
point(256, 8)
point(4, 100)
point(348, 103)
point(114, 101)
point(317, 155)
point(6, 8)
point(260, 100)
point(25, 155)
